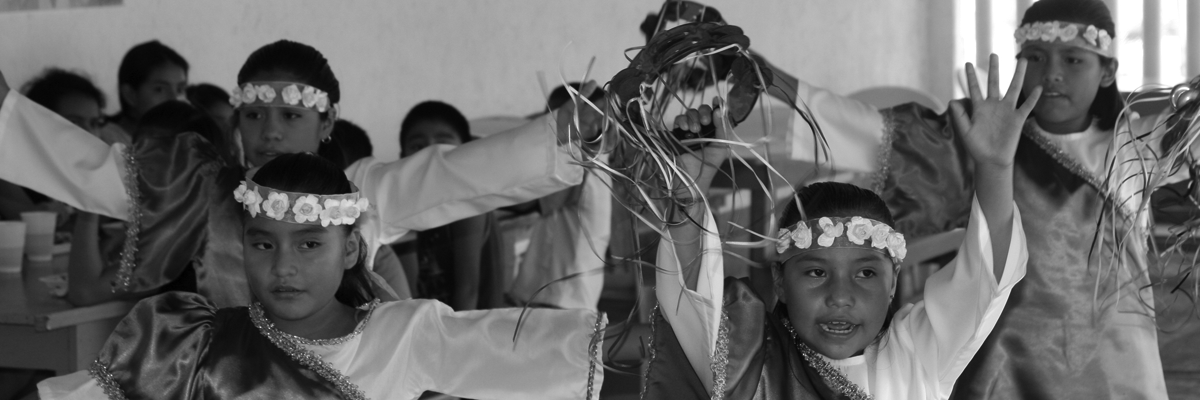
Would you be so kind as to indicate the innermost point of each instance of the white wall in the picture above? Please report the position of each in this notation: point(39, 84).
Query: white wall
point(482, 56)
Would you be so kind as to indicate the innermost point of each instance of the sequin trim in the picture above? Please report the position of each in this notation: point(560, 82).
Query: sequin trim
point(133, 226)
point(720, 358)
point(99, 372)
point(1069, 162)
point(829, 373)
point(652, 353)
point(594, 347)
point(307, 358)
point(883, 157)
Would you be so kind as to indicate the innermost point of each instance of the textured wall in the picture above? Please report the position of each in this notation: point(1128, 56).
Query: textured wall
point(482, 56)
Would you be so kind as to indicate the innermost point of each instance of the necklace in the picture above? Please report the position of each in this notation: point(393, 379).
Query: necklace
point(294, 347)
point(829, 373)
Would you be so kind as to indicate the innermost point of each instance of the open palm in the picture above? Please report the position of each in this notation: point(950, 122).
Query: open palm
point(992, 130)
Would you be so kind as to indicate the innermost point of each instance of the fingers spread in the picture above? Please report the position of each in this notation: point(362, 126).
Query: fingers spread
point(1030, 102)
point(973, 83)
point(962, 122)
point(1018, 82)
point(993, 76)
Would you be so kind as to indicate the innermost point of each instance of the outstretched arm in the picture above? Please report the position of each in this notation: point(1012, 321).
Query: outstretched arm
point(991, 134)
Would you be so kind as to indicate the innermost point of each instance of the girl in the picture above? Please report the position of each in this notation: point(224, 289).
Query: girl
point(834, 334)
point(171, 191)
point(454, 261)
point(1082, 325)
point(315, 328)
point(150, 74)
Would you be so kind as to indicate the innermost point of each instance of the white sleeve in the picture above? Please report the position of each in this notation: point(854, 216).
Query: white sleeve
point(962, 303)
point(440, 185)
point(44, 152)
point(77, 385)
point(694, 315)
point(854, 130)
point(472, 353)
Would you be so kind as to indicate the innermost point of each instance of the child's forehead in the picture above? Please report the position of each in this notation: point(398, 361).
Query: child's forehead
point(266, 226)
point(835, 256)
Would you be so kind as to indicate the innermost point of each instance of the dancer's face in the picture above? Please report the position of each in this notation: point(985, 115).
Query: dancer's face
point(294, 270)
point(1070, 77)
point(837, 298)
point(270, 131)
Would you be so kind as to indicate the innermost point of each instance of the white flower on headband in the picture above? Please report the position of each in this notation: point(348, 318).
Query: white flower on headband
point(783, 240)
point(1090, 34)
point(351, 210)
point(239, 194)
point(249, 93)
point(1105, 40)
point(896, 245)
point(309, 96)
point(235, 97)
point(859, 230)
point(1047, 31)
point(830, 231)
point(322, 101)
point(342, 212)
point(332, 213)
point(266, 93)
point(251, 199)
point(802, 236)
point(276, 205)
point(1068, 33)
point(307, 208)
point(879, 236)
point(291, 95)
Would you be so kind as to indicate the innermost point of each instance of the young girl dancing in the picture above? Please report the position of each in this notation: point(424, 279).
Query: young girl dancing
point(834, 334)
point(315, 328)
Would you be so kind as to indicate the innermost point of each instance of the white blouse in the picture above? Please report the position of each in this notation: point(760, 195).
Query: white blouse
point(924, 351)
point(412, 346)
point(44, 152)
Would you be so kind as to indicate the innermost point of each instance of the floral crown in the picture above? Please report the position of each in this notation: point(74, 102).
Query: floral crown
point(281, 94)
point(836, 232)
point(300, 208)
point(1086, 37)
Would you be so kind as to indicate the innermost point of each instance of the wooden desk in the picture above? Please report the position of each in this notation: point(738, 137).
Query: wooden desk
point(40, 331)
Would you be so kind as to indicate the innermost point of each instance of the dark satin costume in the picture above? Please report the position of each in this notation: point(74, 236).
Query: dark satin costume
point(165, 349)
point(1075, 327)
point(763, 361)
point(188, 217)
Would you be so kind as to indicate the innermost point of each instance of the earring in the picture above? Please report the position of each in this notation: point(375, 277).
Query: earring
point(327, 139)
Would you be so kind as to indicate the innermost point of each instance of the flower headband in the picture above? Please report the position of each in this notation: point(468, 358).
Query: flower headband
point(843, 232)
point(281, 94)
point(300, 208)
point(1086, 37)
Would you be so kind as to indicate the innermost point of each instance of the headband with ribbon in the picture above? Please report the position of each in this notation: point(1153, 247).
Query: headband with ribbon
point(1086, 37)
point(300, 208)
point(282, 94)
point(842, 232)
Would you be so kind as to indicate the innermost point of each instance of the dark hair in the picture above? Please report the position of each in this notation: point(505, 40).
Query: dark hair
point(835, 199)
point(1108, 102)
point(303, 62)
point(676, 10)
point(204, 95)
point(309, 173)
point(352, 140)
point(435, 111)
point(140, 61)
point(53, 84)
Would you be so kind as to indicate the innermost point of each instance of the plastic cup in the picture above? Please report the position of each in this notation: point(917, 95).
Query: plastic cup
point(39, 235)
point(12, 244)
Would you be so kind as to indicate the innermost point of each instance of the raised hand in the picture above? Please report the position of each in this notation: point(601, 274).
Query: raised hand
point(590, 121)
point(702, 165)
point(992, 130)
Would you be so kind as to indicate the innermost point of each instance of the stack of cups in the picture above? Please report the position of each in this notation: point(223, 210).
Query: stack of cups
point(39, 235)
point(12, 244)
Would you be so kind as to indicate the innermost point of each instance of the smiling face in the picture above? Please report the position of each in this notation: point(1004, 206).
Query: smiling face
point(268, 132)
point(294, 270)
point(838, 298)
point(1070, 78)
